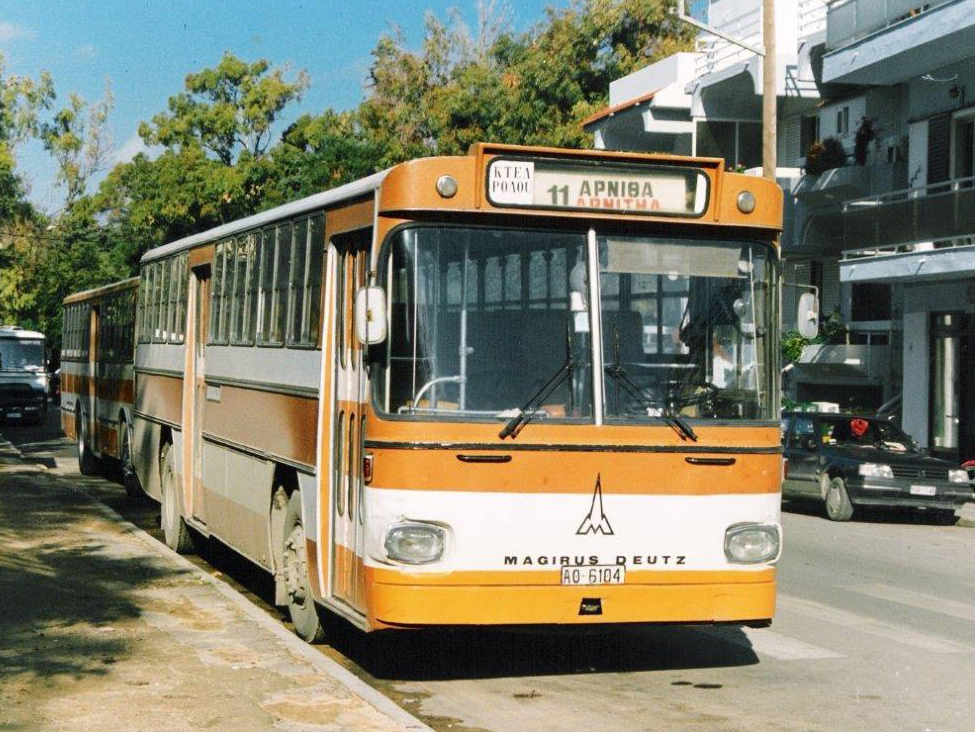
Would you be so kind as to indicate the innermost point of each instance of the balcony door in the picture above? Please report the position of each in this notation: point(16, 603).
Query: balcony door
point(951, 411)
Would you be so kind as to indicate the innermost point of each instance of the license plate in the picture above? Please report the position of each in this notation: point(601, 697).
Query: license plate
point(600, 574)
point(923, 490)
point(14, 415)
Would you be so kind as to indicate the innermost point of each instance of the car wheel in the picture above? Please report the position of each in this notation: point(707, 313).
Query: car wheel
point(301, 604)
point(838, 505)
point(174, 528)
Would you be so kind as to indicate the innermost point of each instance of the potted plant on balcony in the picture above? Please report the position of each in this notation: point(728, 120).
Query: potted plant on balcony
point(825, 155)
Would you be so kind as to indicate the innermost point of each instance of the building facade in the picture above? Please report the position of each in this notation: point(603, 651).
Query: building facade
point(876, 148)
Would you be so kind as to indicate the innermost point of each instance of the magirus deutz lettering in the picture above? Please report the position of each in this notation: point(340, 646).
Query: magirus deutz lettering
point(592, 560)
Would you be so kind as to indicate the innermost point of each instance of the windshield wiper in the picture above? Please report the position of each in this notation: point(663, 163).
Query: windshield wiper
point(530, 409)
point(671, 417)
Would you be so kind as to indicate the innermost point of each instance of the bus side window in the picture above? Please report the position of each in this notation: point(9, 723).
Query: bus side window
point(282, 273)
point(316, 239)
point(253, 281)
point(268, 258)
point(297, 285)
point(175, 285)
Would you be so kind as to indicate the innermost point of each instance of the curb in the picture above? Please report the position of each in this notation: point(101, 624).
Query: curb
point(322, 663)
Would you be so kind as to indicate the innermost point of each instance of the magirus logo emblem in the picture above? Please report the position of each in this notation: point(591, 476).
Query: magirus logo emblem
point(596, 521)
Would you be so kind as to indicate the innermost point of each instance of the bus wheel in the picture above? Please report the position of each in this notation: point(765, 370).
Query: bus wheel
point(87, 462)
point(130, 480)
point(174, 528)
point(301, 605)
point(838, 505)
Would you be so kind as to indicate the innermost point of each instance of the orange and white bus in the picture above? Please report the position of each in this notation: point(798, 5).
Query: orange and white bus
point(522, 386)
point(97, 376)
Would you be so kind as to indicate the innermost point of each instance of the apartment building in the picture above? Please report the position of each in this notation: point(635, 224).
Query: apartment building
point(876, 131)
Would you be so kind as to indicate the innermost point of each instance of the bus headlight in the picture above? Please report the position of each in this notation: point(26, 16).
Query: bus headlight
point(958, 476)
point(750, 543)
point(414, 543)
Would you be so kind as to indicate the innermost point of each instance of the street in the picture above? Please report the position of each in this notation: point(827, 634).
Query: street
point(875, 630)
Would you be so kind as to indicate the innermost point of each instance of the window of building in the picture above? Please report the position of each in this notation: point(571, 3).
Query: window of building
point(843, 121)
point(808, 133)
point(870, 301)
point(739, 143)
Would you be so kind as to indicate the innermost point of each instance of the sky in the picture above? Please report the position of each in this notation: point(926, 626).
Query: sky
point(143, 50)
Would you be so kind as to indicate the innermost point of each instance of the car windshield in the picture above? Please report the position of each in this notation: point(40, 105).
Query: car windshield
point(21, 355)
point(686, 328)
point(865, 433)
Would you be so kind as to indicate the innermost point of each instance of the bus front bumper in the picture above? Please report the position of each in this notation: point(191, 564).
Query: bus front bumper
point(751, 601)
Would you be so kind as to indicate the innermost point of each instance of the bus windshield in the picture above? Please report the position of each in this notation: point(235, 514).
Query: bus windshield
point(486, 321)
point(21, 355)
point(685, 328)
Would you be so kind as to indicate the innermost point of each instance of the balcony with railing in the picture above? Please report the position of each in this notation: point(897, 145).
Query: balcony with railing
point(743, 20)
point(850, 20)
point(902, 220)
point(887, 41)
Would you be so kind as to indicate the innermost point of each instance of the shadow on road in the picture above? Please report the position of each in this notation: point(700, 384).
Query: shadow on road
point(863, 514)
point(62, 585)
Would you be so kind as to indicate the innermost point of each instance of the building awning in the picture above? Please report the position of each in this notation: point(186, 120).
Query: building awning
point(610, 111)
point(926, 264)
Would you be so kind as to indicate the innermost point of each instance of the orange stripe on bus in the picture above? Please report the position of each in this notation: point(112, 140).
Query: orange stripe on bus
point(574, 472)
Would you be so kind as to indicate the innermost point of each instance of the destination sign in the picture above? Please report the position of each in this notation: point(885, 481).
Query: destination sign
point(620, 188)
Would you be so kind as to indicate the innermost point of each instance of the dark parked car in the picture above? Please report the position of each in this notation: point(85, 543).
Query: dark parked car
point(848, 461)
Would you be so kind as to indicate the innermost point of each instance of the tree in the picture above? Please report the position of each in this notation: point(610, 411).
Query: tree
point(78, 139)
point(532, 88)
point(228, 110)
point(21, 101)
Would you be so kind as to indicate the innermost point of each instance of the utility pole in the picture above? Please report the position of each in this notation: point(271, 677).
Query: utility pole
point(769, 103)
point(767, 52)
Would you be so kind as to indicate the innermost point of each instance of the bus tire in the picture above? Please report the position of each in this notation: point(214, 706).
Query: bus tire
point(945, 517)
point(130, 479)
point(87, 462)
point(174, 528)
point(838, 505)
point(301, 604)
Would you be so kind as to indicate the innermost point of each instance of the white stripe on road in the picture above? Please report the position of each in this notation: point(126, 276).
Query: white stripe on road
point(917, 600)
point(870, 626)
point(769, 643)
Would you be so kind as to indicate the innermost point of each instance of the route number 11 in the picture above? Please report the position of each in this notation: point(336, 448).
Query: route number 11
point(557, 193)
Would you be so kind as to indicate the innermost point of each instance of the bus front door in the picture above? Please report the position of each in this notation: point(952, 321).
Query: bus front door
point(194, 391)
point(348, 255)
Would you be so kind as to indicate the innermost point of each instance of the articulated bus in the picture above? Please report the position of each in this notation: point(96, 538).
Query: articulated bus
point(525, 386)
point(97, 376)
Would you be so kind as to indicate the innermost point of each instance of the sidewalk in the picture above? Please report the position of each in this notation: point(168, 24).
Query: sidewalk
point(103, 628)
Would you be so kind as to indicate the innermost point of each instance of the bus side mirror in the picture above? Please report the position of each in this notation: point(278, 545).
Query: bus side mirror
point(370, 315)
point(807, 319)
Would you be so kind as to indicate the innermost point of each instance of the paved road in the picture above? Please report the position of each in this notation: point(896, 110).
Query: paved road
point(875, 631)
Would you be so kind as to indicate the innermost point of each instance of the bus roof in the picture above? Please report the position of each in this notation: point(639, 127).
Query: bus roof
point(16, 332)
point(100, 291)
point(355, 189)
